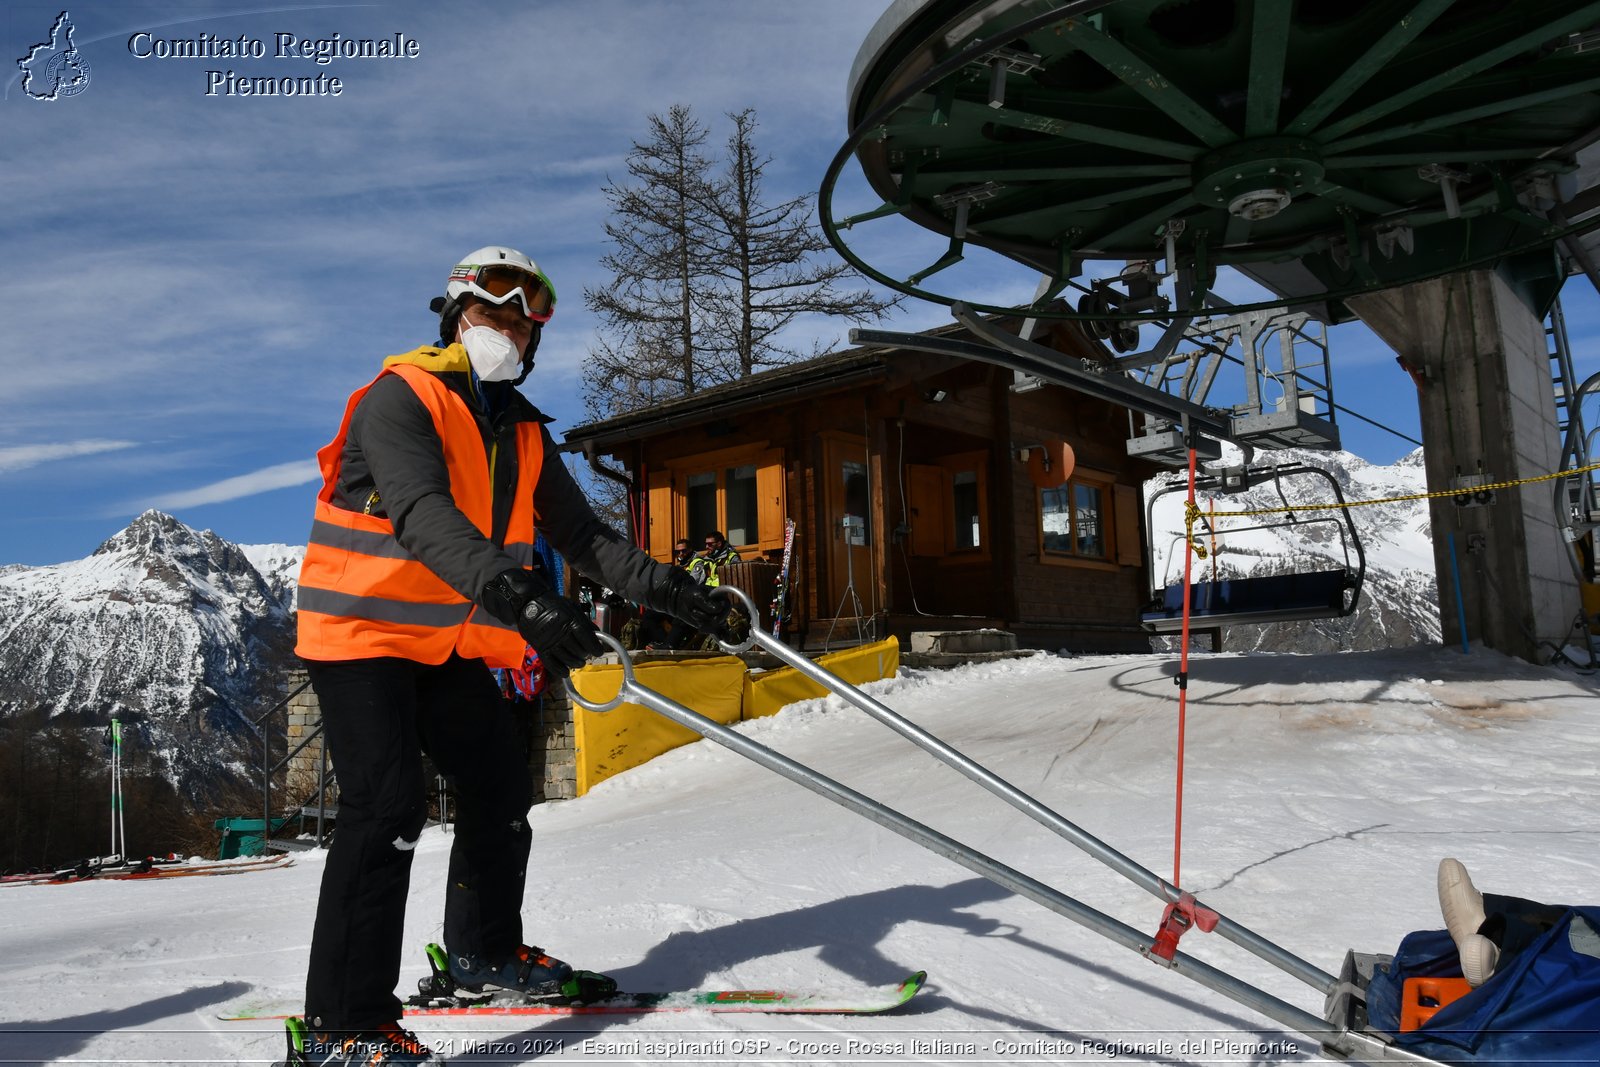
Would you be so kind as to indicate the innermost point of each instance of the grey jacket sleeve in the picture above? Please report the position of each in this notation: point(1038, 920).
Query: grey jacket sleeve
point(402, 449)
point(592, 547)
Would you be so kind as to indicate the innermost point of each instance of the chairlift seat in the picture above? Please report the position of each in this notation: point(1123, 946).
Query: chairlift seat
point(1257, 599)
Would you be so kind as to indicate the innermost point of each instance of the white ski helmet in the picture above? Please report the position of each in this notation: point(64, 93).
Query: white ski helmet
point(497, 274)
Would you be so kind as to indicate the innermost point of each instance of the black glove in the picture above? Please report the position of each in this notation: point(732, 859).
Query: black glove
point(556, 627)
point(673, 591)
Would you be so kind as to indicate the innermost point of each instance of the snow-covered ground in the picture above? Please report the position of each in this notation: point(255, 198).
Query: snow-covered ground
point(1321, 793)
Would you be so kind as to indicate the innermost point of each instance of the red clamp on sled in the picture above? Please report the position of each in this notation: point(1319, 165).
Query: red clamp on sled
point(1176, 921)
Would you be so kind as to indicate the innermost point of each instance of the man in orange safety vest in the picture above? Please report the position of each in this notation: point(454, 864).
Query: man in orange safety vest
point(419, 577)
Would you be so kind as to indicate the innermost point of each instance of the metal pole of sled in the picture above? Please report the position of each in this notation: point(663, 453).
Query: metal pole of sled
point(985, 866)
point(1146, 879)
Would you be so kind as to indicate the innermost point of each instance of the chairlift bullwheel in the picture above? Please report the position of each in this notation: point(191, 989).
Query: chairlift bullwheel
point(1293, 142)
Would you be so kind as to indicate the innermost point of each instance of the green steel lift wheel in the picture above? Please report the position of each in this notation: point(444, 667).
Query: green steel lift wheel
point(1323, 147)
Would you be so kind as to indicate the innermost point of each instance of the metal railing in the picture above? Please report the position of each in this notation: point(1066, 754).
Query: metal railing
point(1335, 1037)
point(264, 732)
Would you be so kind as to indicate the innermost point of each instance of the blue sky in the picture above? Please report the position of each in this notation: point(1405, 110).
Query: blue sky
point(193, 284)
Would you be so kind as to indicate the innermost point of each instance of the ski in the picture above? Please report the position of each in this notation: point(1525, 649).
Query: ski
point(781, 597)
point(206, 870)
point(149, 869)
point(716, 1001)
point(766, 1001)
point(82, 869)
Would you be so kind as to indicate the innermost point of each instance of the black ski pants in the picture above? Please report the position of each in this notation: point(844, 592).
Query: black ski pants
point(380, 716)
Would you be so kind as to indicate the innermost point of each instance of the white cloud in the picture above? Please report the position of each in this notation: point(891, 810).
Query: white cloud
point(265, 480)
point(21, 457)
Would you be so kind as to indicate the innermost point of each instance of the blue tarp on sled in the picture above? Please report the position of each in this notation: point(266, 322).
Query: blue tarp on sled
point(1542, 1007)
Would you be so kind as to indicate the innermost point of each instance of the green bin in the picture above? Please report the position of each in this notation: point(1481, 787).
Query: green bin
point(243, 836)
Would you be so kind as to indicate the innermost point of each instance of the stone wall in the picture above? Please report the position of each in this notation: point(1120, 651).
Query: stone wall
point(555, 755)
point(304, 718)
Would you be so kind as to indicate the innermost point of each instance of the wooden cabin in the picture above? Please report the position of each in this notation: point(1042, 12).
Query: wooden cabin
point(907, 477)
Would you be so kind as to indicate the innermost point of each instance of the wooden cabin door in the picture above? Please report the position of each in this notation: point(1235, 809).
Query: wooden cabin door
point(847, 524)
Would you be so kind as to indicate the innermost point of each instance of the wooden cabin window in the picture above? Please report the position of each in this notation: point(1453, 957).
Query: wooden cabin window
point(739, 495)
point(969, 532)
point(701, 511)
point(857, 503)
point(1075, 519)
point(739, 491)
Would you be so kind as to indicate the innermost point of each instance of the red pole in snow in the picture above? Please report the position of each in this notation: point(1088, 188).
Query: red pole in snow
point(1183, 676)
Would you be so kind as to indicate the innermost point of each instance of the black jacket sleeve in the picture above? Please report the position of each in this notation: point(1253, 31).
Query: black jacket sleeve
point(392, 434)
point(592, 547)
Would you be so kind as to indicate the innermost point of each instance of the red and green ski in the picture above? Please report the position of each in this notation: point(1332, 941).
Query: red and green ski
point(779, 609)
point(767, 1001)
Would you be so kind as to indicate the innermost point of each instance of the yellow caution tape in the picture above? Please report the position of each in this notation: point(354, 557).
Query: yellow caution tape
point(1191, 513)
point(1189, 520)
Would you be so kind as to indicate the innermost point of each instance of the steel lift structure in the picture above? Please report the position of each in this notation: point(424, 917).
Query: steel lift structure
point(1341, 1033)
point(1124, 150)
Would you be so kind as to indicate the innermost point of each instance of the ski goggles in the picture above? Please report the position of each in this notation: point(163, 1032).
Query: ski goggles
point(499, 282)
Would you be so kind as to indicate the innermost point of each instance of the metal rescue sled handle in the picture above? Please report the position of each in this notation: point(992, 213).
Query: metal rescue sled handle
point(1162, 948)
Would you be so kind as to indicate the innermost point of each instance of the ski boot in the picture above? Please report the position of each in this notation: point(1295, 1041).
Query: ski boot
point(388, 1045)
point(529, 972)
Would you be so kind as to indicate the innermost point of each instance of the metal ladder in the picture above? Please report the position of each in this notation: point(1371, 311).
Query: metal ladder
point(1561, 372)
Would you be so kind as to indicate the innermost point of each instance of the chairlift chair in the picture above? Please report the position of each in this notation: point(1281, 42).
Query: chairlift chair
point(1267, 598)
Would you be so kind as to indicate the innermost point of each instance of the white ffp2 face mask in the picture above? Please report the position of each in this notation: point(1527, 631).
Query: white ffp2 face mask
point(492, 354)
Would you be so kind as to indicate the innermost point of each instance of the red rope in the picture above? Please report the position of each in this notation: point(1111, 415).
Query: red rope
point(1183, 690)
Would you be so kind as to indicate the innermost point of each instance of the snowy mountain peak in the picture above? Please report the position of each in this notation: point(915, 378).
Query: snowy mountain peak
point(171, 627)
point(151, 530)
point(156, 538)
point(1414, 458)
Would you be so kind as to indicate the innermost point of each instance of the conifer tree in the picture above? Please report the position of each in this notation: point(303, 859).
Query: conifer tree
point(706, 274)
point(766, 260)
point(650, 312)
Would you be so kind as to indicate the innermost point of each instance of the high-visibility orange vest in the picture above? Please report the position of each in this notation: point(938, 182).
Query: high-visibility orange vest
point(362, 595)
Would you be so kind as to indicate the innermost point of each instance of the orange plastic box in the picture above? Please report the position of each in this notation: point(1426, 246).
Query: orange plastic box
point(1421, 998)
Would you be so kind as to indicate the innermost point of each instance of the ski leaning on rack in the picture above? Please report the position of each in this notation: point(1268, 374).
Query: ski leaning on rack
point(763, 1001)
point(781, 597)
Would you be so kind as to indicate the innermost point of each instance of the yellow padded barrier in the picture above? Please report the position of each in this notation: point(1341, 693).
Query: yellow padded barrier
point(613, 741)
point(766, 693)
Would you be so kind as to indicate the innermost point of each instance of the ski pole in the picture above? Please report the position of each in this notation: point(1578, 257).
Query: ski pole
point(1156, 885)
point(122, 826)
point(117, 827)
point(113, 776)
point(631, 691)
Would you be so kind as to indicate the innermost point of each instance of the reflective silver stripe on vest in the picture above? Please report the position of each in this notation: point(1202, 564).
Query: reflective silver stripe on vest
point(381, 609)
point(384, 546)
point(483, 618)
point(361, 542)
